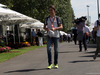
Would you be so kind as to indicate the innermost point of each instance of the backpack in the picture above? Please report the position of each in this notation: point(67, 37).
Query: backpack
point(57, 18)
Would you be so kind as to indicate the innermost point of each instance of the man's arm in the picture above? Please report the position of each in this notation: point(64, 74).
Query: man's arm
point(96, 28)
point(45, 28)
point(58, 28)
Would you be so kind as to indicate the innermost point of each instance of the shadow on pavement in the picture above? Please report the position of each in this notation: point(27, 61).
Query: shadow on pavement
point(89, 56)
point(79, 61)
point(91, 52)
point(68, 52)
point(26, 70)
point(91, 45)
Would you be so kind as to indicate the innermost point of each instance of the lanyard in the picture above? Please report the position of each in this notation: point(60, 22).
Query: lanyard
point(52, 22)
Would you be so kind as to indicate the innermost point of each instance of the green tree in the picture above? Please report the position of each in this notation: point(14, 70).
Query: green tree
point(38, 9)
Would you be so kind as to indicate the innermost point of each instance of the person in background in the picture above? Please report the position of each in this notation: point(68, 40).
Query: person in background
point(52, 23)
point(97, 29)
point(40, 37)
point(94, 36)
point(81, 37)
point(36, 38)
point(86, 31)
point(69, 37)
point(33, 37)
point(74, 31)
point(25, 36)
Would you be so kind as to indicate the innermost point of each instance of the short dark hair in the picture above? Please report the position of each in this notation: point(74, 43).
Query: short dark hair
point(53, 7)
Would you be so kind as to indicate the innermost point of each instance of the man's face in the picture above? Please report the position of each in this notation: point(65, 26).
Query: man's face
point(51, 11)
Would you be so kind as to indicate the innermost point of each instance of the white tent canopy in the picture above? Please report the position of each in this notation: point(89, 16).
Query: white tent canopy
point(1, 5)
point(24, 26)
point(63, 33)
point(37, 24)
point(10, 15)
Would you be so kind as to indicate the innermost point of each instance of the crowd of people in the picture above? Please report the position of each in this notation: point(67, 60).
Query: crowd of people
point(80, 33)
point(66, 38)
point(83, 35)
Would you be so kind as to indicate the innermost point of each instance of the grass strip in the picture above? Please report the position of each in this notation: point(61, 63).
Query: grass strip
point(15, 52)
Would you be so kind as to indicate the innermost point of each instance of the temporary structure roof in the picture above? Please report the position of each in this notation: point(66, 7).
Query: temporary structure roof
point(1, 5)
point(10, 15)
point(63, 33)
point(37, 24)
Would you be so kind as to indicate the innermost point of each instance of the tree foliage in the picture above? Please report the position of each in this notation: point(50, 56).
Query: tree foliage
point(38, 9)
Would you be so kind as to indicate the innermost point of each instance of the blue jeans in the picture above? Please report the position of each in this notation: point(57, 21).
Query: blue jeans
point(51, 41)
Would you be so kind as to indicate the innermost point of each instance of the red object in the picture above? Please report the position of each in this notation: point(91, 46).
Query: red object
point(87, 33)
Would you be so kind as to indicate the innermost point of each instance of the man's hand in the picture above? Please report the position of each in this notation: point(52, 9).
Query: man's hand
point(53, 29)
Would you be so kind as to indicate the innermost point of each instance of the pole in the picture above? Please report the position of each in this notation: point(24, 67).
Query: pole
point(14, 34)
point(98, 7)
point(6, 37)
point(88, 12)
point(31, 35)
point(18, 33)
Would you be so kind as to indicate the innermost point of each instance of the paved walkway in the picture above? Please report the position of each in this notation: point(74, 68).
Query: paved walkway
point(71, 62)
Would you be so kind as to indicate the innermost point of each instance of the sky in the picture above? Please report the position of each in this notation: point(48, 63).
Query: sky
point(80, 8)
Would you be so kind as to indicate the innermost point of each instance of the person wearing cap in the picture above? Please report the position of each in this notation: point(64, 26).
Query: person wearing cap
point(97, 29)
point(52, 25)
point(80, 31)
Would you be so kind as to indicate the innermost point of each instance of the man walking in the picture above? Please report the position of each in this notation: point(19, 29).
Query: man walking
point(81, 35)
point(52, 25)
point(97, 29)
